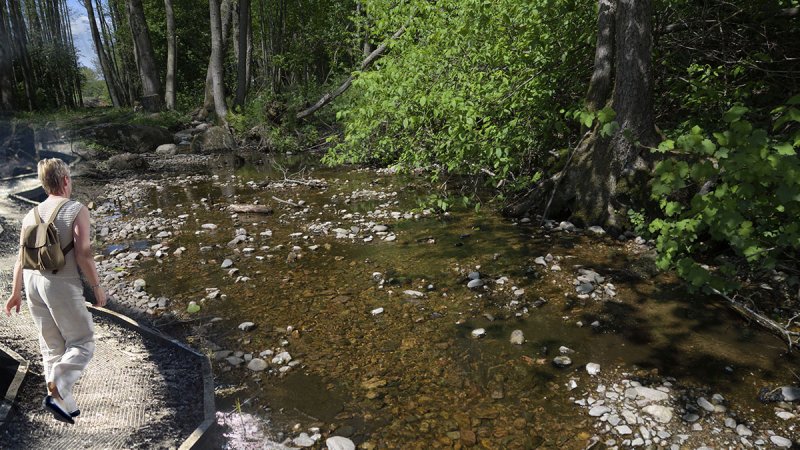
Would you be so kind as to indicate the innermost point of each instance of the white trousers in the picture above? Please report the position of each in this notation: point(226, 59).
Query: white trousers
point(66, 330)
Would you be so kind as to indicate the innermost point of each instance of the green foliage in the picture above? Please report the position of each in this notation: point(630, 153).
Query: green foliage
point(93, 87)
point(472, 87)
point(744, 183)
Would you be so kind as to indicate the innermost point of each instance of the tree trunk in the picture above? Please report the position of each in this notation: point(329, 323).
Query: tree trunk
point(600, 84)
point(105, 65)
point(208, 97)
point(242, 63)
point(169, 90)
point(21, 40)
point(6, 66)
point(215, 64)
point(148, 73)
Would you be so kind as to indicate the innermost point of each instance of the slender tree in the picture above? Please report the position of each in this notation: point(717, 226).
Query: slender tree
point(243, 53)
point(169, 90)
point(109, 74)
point(6, 67)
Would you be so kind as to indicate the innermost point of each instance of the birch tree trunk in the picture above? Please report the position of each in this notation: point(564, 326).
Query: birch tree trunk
point(148, 73)
point(169, 90)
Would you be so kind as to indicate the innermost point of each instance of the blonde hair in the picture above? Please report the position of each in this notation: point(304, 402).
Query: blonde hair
point(51, 174)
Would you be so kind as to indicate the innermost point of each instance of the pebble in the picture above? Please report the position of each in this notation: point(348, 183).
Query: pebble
point(226, 263)
point(730, 422)
point(517, 337)
point(478, 332)
point(592, 368)
point(474, 275)
point(246, 326)
point(691, 417)
point(623, 430)
point(377, 311)
point(208, 226)
point(234, 360)
point(662, 414)
point(598, 411)
point(705, 404)
point(780, 441)
point(257, 365)
point(411, 293)
point(540, 260)
point(139, 285)
point(597, 230)
point(742, 430)
point(474, 284)
point(562, 361)
point(282, 358)
point(585, 288)
point(339, 443)
point(790, 393)
point(304, 440)
point(785, 415)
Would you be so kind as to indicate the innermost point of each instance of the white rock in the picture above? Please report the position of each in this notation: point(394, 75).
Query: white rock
point(208, 226)
point(411, 293)
point(246, 326)
point(592, 368)
point(304, 440)
point(478, 332)
point(377, 311)
point(282, 358)
point(517, 337)
point(652, 395)
point(742, 430)
point(226, 263)
point(623, 430)
point(139, 285)
point(785, 415)
point(474, 284)
point(339, 443)
point(540, 260)
point(597, 230)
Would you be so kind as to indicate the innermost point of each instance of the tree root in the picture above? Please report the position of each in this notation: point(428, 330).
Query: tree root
point(792, 338)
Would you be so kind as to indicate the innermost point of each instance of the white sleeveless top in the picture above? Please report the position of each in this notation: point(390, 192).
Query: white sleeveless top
point(64, 224)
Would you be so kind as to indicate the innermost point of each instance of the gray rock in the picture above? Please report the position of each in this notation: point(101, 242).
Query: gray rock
point(691, 417)
point(584, 288)
point(785, 415)
point(126, 162)
point(662, 414)
point(597, 230)
point(246, 326)
point(227, 263)
point(705, 404)
point(790, 393)
point(780, 441)
point(234, 360)
point(592, 368)
point(474, 275)
point(213, 140)
point(282, 358)
point(598, 411)
point(623, 430)
point(257, 365)
point(222, 354)
point(540, 260)
point(562, 361)
point(517, 337)
point(474, 284)
point(166, 149)
point(566, 226)
point(730, 422)
point(339, 443)
point(379, 228)
point(742, 430)
point(652, 395)
point(139, 285)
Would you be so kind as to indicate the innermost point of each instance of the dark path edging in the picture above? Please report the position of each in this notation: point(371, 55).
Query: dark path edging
point(10, 395)
point(209, 409)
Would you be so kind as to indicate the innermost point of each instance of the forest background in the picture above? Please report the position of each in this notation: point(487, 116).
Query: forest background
point(677, 119)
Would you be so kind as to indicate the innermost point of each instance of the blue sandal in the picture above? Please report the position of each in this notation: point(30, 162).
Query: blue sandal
point(59, 414)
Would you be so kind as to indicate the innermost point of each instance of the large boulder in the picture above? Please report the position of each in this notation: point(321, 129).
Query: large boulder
point(126, 162)
point(127, 138)
point(213, 140)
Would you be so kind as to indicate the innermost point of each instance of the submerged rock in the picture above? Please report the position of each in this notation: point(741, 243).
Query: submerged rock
point(562, 361)
point(478, 332)
point(474, 284)
point(517, 337)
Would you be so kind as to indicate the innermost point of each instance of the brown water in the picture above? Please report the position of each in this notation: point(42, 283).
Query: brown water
point(413, 377)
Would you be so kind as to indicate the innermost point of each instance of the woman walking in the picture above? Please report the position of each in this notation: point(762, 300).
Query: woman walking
point(55, 298)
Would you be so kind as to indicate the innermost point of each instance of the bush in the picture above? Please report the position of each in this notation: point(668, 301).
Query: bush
point(744, 190)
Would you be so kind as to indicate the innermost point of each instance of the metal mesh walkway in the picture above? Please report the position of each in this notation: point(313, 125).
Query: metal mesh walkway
point(129, 396)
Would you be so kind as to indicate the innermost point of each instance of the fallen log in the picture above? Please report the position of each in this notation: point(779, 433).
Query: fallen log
point(792, 338)
point(250, 209)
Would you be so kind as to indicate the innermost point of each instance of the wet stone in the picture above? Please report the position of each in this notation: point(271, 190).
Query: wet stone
point(780, 441)
point(246, 326)
point(478, 332)
point(517, 337)
point(227, 263)
point(474, 284)
point(339, 443)
point(562, 361)
point(257, 365)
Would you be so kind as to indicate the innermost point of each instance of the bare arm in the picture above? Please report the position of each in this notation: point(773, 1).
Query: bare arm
point(84, 257)
point(15, 299)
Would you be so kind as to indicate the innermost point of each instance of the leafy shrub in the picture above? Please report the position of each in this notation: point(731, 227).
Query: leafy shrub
point(746, 184)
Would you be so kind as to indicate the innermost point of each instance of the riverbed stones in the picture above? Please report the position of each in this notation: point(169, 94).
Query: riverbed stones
point(517, 337)
point(339, 443)
point(478, 333)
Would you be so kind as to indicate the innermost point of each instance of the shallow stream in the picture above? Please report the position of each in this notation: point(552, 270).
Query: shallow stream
point(413, 375)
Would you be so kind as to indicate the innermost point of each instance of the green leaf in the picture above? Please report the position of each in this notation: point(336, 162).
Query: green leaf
point(193, 308)
point(667, 145)
point(734, 114)
point(606, 115)
point(785, 148)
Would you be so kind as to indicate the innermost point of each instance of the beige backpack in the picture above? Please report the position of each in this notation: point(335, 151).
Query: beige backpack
point(41, 248)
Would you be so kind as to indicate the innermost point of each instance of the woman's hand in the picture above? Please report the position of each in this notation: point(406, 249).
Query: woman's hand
point(14, 302)
point(100, 298)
